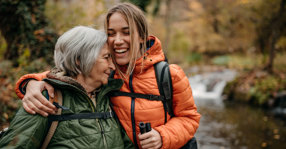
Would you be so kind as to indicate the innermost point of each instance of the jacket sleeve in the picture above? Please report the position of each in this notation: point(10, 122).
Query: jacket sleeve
point(182, 127)
point(25, 131)
point(24, 79)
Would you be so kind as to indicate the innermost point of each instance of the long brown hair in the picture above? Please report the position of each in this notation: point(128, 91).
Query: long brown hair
point(137, 24)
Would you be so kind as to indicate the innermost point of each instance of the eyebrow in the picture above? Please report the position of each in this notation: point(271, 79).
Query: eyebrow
point(107, 53)
point(123, 28)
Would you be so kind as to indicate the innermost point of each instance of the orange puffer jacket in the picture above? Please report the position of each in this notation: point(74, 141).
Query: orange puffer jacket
point(178, 129)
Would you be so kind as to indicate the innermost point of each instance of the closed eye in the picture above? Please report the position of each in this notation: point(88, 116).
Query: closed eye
point(107, 56)
point(110, 32)
point(126, 30)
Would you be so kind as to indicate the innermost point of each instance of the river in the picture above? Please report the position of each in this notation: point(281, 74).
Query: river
point(230, 125)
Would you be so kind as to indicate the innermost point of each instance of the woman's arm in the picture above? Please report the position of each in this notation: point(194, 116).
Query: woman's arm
point(25, 79)
point(25, 131)
point(33, 100)
point(182, 127)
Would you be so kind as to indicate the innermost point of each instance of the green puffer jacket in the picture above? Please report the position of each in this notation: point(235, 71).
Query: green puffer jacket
point(28, 131)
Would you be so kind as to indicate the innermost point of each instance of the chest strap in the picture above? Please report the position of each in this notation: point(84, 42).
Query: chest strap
point(96, 115)
point(137, 95)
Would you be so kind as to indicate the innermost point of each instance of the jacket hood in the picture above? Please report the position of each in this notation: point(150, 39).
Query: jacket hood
point(59, 75)
point(153, 55)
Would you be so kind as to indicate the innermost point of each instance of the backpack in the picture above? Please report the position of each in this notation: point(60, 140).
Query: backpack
point(164, 82)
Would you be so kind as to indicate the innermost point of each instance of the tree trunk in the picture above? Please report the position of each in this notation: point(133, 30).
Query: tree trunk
point(167, 26)
point(269, 65)
point(277, 27)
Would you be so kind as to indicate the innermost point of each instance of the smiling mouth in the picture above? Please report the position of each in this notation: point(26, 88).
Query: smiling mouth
point(119, 51)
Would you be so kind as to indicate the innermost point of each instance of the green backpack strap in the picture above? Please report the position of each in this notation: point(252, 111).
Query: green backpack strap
point(164, 81)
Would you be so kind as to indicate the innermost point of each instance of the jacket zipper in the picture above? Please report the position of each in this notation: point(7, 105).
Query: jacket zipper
point(132, 112)
point(102, 133)
point(98, 122)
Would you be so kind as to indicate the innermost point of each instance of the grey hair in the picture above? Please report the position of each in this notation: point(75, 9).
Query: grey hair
point(77, 50)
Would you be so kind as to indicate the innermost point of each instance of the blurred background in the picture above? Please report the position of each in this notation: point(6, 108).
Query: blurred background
point(233, 51)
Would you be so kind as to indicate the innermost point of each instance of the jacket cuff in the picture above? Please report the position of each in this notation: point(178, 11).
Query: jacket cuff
point(164, 136)
point(21, 84)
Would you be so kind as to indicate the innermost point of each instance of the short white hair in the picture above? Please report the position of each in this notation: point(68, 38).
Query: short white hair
point(77, 49)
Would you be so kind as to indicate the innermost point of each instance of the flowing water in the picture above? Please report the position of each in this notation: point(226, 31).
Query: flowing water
point(229, 125)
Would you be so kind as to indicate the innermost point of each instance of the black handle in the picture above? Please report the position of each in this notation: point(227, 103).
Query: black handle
point(144, 127)
point(148, 127)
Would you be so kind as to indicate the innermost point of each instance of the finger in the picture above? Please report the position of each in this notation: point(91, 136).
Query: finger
point(27, 109)
point(50, 90)
point(34, 108)
point(146, 141)
point(144, 136)
point(158, 145)
point(148, 146)
point(43, 107)
point(47, 106)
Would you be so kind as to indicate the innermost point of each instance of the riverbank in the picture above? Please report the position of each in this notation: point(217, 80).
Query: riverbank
point(233, 123)
point(258, 88)
point(252, 85)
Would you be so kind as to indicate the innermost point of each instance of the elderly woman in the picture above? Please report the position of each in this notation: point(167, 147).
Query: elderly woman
point(83, 64)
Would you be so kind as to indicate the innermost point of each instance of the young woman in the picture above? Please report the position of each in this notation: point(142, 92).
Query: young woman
point(83, 64)
point(134, 54)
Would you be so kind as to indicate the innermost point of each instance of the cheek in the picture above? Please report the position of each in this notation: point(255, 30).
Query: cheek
point(104, 66)
point(110, 40)
point(127, 39)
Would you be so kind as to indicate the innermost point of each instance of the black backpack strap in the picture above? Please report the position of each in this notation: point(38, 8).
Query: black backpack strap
point(96, 115)
point(137, 95)
point(112, 74)
point(164, 82)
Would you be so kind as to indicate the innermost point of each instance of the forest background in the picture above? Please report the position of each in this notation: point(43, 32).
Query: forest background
point(246, 35)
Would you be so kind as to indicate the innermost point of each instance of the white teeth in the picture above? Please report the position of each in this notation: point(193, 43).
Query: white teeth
point(120, 50)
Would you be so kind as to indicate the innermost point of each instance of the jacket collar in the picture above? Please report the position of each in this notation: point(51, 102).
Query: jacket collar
point(153, 55)
point(59, 79)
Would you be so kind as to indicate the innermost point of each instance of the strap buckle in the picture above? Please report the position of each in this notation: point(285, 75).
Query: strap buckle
point(107, 115)
point(59, 106)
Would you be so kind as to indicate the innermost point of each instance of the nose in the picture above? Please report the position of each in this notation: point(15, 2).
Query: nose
point(118, 39)
point(111, 64)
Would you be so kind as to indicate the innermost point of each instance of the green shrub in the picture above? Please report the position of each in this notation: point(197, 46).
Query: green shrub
point(257, 87)
point(9, 101)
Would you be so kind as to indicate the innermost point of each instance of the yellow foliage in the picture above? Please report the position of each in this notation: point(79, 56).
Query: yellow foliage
point(67, 14)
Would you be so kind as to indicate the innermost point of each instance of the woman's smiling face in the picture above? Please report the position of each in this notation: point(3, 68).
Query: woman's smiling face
point(102, 67)
point(119, 38)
